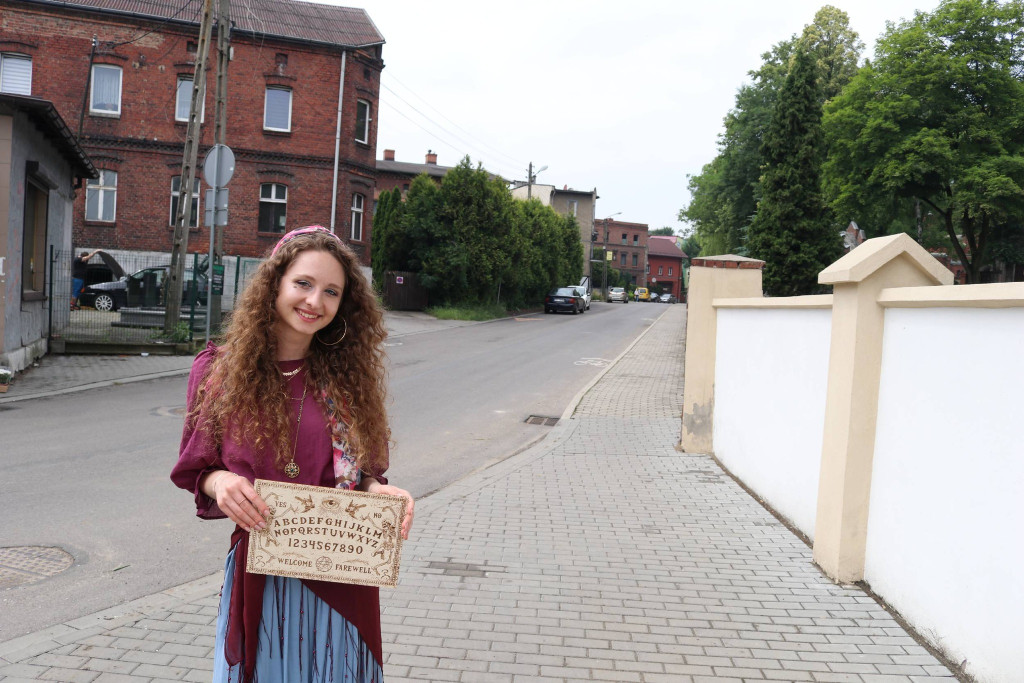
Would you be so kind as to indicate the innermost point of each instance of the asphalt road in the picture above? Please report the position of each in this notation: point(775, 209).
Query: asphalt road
point(88, 472)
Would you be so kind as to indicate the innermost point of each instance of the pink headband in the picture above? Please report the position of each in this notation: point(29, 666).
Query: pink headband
point(299, 232)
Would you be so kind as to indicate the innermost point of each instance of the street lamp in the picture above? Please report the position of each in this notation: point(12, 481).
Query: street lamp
point(530, 178)
point(604, 264)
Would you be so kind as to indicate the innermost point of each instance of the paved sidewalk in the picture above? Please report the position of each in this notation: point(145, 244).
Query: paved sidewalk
point(601, 554)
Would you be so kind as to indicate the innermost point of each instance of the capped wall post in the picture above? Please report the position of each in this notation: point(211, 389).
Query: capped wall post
point(851, 407)
point(711, 277)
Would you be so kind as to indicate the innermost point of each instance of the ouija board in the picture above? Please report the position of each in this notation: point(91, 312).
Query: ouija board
point(328, 534)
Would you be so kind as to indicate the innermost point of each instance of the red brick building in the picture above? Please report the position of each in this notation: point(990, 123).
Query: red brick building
point(126, 96)
point(628, 244)
point(666, 265)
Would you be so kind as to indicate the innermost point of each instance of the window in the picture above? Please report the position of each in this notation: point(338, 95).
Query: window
point(193, 220)
point(636, 240)
point(183, 102)
point(106, 90)
point(15, 74)
point(101, 197)
point(670, 271)
point(623, 239)
point(622, 260)
point(33, 255)
point(277, 110)
point(362, 121)
point(273, 207)
point(573, 206)
point(634, 260)
point(357, 218)
point(659, 270)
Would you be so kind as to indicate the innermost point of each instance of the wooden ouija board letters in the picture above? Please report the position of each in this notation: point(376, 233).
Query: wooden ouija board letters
point(328, 534)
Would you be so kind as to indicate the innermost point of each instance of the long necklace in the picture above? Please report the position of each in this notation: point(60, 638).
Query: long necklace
point(292, 469)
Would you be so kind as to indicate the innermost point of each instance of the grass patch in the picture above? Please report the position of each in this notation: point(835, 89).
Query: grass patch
point(478, 312)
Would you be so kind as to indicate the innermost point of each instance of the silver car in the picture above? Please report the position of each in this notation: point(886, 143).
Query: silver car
point(617, 294)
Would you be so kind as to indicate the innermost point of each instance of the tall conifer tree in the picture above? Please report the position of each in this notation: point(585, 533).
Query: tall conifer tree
point(792, 230)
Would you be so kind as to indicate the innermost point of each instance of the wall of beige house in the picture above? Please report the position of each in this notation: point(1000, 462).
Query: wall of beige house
point(726, 276)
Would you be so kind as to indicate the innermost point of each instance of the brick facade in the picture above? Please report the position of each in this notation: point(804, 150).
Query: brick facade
point(666, 265)
point(628, 244)
point(144, 144)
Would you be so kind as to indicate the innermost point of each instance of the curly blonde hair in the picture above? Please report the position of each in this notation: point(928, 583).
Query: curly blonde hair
point(245, 392)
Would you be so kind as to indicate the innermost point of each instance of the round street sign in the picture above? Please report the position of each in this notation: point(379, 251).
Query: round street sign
point(218, 166)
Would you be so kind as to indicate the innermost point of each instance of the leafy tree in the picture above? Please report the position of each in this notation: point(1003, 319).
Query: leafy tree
point(691, 246)
point(386, 234)
point(724, 194)
point(938, 116)
point(667, 231)
point(792, 230)
point(472, 243)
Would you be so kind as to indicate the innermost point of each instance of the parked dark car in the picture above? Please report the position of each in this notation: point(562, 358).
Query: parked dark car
point(565, 299)
point(143, 288)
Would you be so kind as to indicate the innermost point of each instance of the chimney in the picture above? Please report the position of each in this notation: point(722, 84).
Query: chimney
point(389, 155)
point(431, 157)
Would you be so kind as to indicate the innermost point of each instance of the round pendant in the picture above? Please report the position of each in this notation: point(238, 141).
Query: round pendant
point(291, 469)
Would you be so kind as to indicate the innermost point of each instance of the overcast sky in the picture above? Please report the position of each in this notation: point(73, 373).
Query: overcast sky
point(625, 97)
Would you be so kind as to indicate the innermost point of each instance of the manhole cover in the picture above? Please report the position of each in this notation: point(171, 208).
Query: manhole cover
point(26, 564)
point(542, 420)
point(169, 411)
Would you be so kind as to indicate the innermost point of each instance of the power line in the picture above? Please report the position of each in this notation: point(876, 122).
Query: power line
point(391, 76)
point(465, 143)
point(457, 148)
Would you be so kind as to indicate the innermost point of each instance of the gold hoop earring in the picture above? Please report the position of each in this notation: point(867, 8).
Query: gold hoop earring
point(338, 341)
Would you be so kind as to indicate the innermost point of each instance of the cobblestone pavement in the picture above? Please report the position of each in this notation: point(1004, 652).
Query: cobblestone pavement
point(601, 554)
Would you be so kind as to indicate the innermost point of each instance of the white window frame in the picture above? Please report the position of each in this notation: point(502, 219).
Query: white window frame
point(266, 99)
point(176, 194)
point(97, 68)
point(10, 81)
point(356, 233)
point(659, 269)
point(188, 100)
point(274, 199)
point(366, 123)
point(101, 187)
point(670, 271)
point(573, 206)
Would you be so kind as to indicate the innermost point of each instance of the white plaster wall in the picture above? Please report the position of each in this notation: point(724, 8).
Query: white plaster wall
point(771, 375)
point(945, 541)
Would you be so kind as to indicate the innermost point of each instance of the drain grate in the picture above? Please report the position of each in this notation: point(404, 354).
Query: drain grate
point(169, 411)
point(542, 420)
point(27, 564)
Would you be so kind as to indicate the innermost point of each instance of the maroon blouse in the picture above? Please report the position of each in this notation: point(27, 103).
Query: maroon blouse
point(199, 454)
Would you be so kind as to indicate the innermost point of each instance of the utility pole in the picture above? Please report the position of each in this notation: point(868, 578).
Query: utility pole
point(213, 301)
point(529, 182)
point(179, 247)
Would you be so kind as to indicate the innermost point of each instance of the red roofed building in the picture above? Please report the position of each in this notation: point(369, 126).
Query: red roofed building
point(665, 265)
point(119, 72)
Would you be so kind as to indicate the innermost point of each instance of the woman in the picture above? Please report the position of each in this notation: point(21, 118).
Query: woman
point(296, 394)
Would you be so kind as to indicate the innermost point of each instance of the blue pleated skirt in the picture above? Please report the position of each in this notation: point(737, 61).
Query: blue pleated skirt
point(302, 640)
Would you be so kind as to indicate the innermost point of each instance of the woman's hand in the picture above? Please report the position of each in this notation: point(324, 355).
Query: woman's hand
point(374, 486)
point(237, 498)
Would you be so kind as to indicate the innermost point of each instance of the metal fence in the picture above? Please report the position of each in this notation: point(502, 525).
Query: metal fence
point(122, 299)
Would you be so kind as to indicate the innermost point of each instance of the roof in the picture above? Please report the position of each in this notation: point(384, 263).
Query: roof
point(662, 245)
point(306, 21)
point(406, 168)
point(44, 115)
